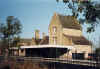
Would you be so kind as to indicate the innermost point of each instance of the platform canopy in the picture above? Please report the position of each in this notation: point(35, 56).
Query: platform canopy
point(47, 46)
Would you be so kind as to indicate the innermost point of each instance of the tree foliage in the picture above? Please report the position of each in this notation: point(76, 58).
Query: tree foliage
point(89, 9)
point(97, 51)
point(9, 31)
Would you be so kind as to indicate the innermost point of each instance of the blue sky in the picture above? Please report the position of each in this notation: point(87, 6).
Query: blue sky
point(33, 14)
point(37, 14)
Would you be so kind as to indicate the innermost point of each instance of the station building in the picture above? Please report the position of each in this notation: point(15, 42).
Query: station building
point(66, 31)
point(65, 39)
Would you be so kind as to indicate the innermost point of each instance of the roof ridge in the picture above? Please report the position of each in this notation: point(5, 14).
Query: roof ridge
point(68, 21)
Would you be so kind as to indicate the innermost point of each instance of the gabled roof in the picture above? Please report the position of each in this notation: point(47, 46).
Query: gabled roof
point(68, 21)
point(38, 41)
point(25, 40)
point(44, 41)
point(79, 40)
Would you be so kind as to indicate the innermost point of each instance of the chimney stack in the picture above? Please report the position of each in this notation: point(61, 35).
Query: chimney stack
point(37, 34)
point(43, 35)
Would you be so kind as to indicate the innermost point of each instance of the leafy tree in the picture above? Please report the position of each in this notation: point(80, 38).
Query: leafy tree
point(16, 41)
point(97, 51)
point(9, 31)
point(86, 11)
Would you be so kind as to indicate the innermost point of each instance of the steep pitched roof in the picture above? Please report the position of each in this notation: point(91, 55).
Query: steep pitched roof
point(38, 41)
point(68, 21)
point(79, 40)
point(25, 40)
point(45, 40)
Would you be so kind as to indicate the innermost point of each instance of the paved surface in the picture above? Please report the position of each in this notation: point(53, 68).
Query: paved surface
point(59, 60)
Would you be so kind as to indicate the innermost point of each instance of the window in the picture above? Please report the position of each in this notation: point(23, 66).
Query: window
point(54, 40)
point(54, 29)
point(22, 50)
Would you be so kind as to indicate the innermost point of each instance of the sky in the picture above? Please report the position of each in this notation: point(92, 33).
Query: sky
point(33, 14)
point(37, 14)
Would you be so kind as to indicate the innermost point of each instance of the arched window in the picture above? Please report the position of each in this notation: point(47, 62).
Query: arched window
point(54, 29)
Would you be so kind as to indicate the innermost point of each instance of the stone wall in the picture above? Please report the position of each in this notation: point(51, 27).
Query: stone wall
point(22, 52)
point(72, 32)
point(83, 49)
point(66, 40)
point(58, 34)
point(86, 49)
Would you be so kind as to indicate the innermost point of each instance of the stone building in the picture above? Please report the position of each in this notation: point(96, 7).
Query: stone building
point(25, 42)
point(35, 40)
point(66, 31)
point(63, 31)
point(40, 41)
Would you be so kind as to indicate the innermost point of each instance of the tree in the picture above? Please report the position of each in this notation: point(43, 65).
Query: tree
point(97, 51)
point(89, 10)
point(16, 41)
point(9, 31)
